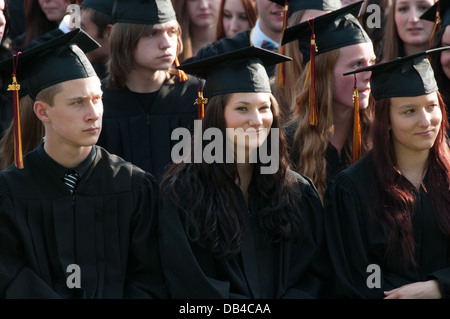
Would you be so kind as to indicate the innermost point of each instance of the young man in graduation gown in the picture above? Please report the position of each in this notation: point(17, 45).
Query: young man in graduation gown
point(75, 220)
point(145, 98)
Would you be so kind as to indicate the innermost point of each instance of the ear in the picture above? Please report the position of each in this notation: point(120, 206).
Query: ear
point(40, 109)
point(107, 31)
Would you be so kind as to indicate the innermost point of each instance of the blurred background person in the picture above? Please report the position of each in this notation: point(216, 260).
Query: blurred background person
point(405, 33)
point(96, 20)
point(236, 16)
point(198, 21)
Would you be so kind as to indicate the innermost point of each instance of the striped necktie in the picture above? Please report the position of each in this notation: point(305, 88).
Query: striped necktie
point(71, 179)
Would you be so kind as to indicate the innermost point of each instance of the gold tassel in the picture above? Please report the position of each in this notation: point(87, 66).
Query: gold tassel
point(313, 103)
point(182, 77)
point(356, 126)
point(281, 78)
point(15, 87)
point(200, 101)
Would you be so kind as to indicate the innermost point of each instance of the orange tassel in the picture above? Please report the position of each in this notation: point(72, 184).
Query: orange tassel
point(356, 126)
point(200, 101)
point(182, 77)
point(281, 77)
point(313, 103)
point(437, 23)
point(15, 87)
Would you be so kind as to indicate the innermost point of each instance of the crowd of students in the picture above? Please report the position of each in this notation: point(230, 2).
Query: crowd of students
point(94, 205)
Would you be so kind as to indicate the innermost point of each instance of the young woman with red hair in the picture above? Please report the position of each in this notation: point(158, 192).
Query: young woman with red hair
point(388, 215)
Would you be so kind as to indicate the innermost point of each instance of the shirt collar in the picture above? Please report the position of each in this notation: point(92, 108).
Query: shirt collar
point(61, 170)
point(257, 36)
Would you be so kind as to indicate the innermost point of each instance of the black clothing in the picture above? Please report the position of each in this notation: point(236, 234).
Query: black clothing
point(356, 240)
point(141, 133)
point(108, 231)
point(277, 270)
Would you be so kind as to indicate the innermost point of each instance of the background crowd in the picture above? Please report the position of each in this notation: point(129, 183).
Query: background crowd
point(357, 91)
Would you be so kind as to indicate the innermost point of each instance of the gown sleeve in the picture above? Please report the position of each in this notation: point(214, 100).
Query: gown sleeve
point(16, 279)
point(347, 242)
point(144, 273)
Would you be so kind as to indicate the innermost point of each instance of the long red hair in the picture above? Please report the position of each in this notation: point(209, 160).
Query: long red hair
point(396, 198)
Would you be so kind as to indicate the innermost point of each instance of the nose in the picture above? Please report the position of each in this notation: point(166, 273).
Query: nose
point(425, 118)
point(204, 4)
point(2, 19)
point(413, 15)
point(234, 26)
point(165, 41)
point(94, 111)
point(256, 118)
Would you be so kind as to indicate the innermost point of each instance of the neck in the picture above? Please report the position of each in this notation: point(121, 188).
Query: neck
point(245, 171)
point(66, 155)
point(412, 165)
point(145, 81)
point(200, 37)
point(342, 122)
point(412, 49)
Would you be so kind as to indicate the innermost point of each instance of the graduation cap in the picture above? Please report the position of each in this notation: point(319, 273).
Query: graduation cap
point(51, 62)
point(330, 31)
point(439, 14)
point(143, 11)
point(241, 70)
point(104, 6)
point(410, 75)
point(401, 77)
point(324, 5)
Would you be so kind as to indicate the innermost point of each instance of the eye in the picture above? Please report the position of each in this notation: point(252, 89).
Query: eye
point(431, 107)
point(402, 9)
point(264, 108)
point(241, 108)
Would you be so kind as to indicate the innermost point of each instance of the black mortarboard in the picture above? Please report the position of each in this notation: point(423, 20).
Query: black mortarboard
point(241, 70)
point(325, 5)
point(332, 31)
point(47, 63)
point(143, 11)
point(438, 13)
point(403, 76)
point(58, 60)
point(104, 6)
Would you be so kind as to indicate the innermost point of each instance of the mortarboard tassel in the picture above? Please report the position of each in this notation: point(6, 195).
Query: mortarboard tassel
point(281, 77)
point(200, 101)
point(356, 126)
point(313, 105)
point(15, 87)
point(181, 75)
point(437, 23)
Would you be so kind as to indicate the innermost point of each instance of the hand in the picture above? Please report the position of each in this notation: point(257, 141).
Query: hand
point(418, 290)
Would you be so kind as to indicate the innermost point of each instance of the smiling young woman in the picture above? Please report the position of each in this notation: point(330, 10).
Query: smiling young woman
point(391, 208)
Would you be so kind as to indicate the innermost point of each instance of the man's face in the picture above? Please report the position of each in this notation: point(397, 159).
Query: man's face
point(157, 50)
point(75, 118)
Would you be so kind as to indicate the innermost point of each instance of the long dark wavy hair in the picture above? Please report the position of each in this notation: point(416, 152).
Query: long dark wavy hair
point(205, 194)
point(395, 203)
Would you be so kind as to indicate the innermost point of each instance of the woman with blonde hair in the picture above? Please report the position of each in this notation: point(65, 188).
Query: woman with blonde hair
point(405, 33)
point(330, 130)
point(198, 21)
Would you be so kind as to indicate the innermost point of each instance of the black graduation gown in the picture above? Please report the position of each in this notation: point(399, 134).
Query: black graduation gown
point(356, 240)
point(238, 41)
point(286, 270)
point(143, 137)
point(107, 232)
